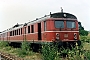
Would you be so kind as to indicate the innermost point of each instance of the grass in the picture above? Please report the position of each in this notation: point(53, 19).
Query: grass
point(13, 51)
point(86, 42)
point(19, 52)
point(35, 56)
point(86, 46)
point(89, 34)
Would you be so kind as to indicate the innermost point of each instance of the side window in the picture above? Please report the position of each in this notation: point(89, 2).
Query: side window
point(13, 33)
point(21, 31)
point(32, 28)
point(28, 29)
point(25, 30)
point(17, 31)
point(44, 25)
point(10, 33)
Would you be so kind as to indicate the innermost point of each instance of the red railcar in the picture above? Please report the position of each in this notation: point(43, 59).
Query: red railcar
point(56, 27)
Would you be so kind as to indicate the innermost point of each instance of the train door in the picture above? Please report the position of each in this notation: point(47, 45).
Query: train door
point(39, 31)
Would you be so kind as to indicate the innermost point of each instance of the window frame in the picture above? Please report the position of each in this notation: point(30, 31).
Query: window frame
point(69, 22)
point(17, 31)
point(13, 32)
point(45, 26)
point(21, 31)
point(10, 33)
point(32, 28)
point(60, 27)
point(24, 30)
point(28, 29)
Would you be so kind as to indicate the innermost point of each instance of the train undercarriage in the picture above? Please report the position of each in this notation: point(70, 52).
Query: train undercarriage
point(38, 46)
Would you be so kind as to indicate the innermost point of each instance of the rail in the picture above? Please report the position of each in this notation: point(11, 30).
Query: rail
point(9, 56)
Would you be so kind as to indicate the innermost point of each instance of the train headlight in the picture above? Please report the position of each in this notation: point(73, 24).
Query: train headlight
point(75, 36)
point(57, 36)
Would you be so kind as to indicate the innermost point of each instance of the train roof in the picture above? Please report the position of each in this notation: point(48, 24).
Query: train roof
point(54, 15)
point(17, 26)
point(63, 15)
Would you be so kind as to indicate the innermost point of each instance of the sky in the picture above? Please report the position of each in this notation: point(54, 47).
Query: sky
point(23, 11)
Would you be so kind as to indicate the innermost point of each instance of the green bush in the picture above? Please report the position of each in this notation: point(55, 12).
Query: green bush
point(3, 43)
point(22, 52)
point(77, 53)
point(87, 55)
point(8, 48)
point(24, 49)
point(49, 52)
point(25, 45)
point(83, 32)
point(74, 53)
point(85, 39)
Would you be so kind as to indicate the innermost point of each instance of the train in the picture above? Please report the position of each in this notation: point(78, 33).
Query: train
point(59, 27)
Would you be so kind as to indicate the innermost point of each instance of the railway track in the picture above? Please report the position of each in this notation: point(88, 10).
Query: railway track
point(6, 56)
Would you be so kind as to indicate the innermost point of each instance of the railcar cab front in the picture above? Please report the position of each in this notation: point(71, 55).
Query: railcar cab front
point(65, 27)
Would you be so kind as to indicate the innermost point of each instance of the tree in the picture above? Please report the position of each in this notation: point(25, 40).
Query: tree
point(81, 30)
point(80, 26)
